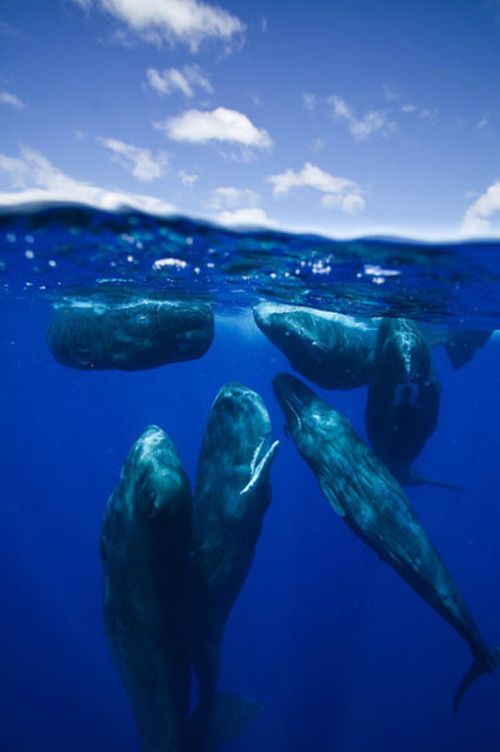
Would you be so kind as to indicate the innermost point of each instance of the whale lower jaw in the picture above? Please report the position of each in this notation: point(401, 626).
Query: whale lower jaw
point(260, 468)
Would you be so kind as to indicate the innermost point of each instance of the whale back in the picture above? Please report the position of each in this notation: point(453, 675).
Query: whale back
point(403, 397)
point(144, 550)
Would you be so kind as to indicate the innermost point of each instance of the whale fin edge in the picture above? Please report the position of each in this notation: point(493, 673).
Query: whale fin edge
point(475, 671)
point(228, 718)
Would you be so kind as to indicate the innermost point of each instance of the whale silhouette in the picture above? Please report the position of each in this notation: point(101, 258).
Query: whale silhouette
point(372, 503)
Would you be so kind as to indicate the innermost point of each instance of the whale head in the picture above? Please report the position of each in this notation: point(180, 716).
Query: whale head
point(237, 450)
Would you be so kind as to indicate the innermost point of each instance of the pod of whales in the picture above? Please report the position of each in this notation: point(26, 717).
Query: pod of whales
point(172, 574)
point(232, 496)
point(371, 502)
point(145, 545)
point(331, 350)
point(402, 408)
point(96, 333)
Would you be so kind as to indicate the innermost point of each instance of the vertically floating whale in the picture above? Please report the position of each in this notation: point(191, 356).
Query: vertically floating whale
point(332, 350)
point(231, 498)
point(102, 332)
point(144, 548)
point(402, 409)
point(371, 502)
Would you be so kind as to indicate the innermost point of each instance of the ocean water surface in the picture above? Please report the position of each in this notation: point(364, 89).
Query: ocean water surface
point(340, 652)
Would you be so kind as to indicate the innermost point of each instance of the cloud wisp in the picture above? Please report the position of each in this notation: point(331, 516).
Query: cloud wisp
point(144, 164)
point(337, 192)
point(479, 215)
point(228, 197)
point(186, 80)
point(237, 207)
point(188, 21)
point(11, 100)
point(220, 125)
point(361, 127)
point(36, 179)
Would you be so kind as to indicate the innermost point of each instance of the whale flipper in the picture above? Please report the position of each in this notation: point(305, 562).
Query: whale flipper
point(229, 717)
point(418, 480)
point(475, 672)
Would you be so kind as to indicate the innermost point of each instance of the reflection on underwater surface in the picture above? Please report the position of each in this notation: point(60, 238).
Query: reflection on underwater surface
point(338, 651)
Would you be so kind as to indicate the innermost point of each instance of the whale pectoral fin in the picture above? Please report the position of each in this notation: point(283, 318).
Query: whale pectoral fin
point(418, 480)
point(331, 495)
point(261, 470)
point(233, 715)
point(230, 716)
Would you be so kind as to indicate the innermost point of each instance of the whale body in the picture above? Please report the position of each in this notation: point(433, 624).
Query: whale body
point(331, 350)
point(402, 408)
point(372, 503)
point(232, 495)
point(95, 332)
point(144, 547)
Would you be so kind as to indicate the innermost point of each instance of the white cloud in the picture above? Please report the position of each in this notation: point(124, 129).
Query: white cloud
point(361, 127)
point(229, 197)
point(479, 215)
point(408, 108)
point(186, 80)
point(237, 206)
point(317, 144)
point(12, 100)
point(390, 94)
point(309, 100)
point(220, 124)
point(187, 178)
point(339, 193)
point(144, 164)
point(189, 21)
point(245, 217)
point(40, 181)
point(482, 123)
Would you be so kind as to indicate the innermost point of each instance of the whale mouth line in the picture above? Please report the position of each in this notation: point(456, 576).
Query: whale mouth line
point(292, 404)
point(261, 460)
point(260, 451)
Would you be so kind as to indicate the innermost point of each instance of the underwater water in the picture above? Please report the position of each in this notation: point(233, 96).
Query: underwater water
point(341, 653)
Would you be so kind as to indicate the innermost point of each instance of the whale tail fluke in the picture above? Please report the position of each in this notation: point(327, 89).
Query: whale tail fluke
point(475, 671)
point(227, 718)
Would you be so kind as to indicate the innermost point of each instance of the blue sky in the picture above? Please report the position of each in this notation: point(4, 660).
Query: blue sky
point(345, 117)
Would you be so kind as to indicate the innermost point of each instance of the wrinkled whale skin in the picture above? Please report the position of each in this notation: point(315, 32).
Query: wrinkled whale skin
point(372, 503)
point(144, 547)
point(402, 408)
point(232, 495)
point(332, 350)
point(92, 335)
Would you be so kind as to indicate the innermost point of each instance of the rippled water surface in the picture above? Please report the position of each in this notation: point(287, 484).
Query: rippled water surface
point(63, 249)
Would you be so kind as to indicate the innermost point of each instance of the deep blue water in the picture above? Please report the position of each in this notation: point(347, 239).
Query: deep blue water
point(340, 652)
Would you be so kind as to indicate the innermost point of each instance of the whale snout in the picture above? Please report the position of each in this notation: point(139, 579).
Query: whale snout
point(294, 398)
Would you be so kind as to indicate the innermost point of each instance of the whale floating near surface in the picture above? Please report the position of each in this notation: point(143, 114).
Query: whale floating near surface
point(371, 502)
point(332, 350)
point(232, 495)
point(402, 408)
point(144, 547)
point(96, 332)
